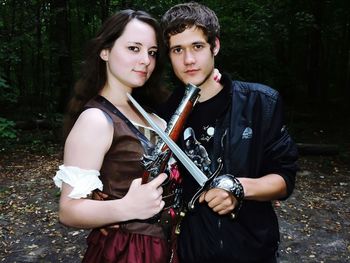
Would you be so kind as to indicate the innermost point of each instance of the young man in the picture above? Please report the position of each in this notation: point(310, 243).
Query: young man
point(242, 124)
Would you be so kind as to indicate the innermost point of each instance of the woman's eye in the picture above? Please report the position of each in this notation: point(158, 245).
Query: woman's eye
point(134, 48)
point(152, 53)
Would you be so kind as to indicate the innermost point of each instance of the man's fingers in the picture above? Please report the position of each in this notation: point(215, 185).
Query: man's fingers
point(104, 195)
point(220, 201)
point(216, 193)
point(215, 202)
point(202, 197)
point(98, 195)
point(104, 231)
point(227, 205)
point(225, 211)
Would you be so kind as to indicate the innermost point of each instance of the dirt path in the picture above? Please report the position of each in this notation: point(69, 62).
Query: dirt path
point(315, 221)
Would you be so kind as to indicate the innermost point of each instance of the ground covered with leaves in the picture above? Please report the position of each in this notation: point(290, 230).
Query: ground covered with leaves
point(314, 222)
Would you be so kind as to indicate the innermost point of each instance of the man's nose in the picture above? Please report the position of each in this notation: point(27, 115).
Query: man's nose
point(189, 58)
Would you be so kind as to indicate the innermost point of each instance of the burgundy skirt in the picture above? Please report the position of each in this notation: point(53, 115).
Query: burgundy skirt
point(119, 246)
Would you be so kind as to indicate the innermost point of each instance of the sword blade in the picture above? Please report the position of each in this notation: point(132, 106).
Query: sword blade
point(196, 173)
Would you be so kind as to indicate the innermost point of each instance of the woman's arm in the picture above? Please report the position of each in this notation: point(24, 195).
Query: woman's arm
point(86, 146)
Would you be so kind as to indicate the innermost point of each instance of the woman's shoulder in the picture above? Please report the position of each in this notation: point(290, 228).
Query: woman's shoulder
point(92, 123)
point(94, 116)
point(89, 139)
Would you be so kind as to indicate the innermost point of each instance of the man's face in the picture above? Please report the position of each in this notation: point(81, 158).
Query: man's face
point(191, 56)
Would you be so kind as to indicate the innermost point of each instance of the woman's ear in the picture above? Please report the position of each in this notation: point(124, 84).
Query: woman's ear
point(217, 46)
point(104, 54)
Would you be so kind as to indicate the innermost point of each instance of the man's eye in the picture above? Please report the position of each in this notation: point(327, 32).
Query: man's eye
point(177, 50)
point(152, 53)
point(197, 47)
point(134, 48)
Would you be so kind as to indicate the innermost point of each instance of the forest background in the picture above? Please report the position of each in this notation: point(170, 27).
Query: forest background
point(300, 48)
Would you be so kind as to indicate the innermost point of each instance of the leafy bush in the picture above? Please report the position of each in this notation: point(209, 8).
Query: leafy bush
point(7, 94)
point(7, 129)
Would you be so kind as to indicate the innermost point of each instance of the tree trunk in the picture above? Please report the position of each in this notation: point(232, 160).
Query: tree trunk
point(344, 60)
point(38, 88)
point(11, 33)
point(317, 79)
point(60, 37)
point(104, 9)
point(124, 4)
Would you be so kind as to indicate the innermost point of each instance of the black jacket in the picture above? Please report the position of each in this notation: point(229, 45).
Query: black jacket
point(257, 143)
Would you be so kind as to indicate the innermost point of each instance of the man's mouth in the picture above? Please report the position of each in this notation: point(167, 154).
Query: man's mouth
point(191, 71)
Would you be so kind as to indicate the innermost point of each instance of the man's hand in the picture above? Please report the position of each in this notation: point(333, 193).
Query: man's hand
point(276, 203)
point(98, 195)
point(217, 75)
point(219, 200)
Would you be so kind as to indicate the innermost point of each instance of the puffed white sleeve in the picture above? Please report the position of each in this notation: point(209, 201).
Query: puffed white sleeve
point(83, 181)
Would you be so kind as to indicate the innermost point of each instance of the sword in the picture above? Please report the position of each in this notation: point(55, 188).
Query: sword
point(196, 173)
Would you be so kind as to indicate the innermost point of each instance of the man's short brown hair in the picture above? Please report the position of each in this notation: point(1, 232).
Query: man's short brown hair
point(182, 16)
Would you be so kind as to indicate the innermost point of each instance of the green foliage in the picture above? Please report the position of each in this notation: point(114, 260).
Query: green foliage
point(7, 94)
point(7, 129)
point(274, 42)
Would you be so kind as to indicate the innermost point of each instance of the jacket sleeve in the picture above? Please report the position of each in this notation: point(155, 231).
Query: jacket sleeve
point(280, 152)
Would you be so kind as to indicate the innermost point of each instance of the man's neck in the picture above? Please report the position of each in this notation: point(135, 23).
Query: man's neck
point(209, 89)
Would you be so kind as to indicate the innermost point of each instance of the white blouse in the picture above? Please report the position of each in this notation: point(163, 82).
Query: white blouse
point(83, 181)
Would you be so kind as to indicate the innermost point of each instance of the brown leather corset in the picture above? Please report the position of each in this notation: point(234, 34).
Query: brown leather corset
point(121, 165)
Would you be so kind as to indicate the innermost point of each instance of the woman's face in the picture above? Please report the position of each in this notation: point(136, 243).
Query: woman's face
point(132, 58)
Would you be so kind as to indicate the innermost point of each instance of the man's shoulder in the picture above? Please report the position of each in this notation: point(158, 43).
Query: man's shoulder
point(257, 88)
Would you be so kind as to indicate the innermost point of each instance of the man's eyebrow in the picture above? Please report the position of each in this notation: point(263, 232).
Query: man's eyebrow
point(176, 46)
point(193, 43)
point(199, 42)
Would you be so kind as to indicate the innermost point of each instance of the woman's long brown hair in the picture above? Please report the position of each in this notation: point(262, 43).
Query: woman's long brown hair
point(94, 75)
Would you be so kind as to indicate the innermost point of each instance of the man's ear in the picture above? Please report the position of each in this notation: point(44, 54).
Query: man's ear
point(104, 54)
point(217, 46)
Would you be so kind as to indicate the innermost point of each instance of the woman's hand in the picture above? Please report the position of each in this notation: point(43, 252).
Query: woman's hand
point(144, 200)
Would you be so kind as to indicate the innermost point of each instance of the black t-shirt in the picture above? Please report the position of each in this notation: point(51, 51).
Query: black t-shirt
point(206, 236)
point(203, 121)
point(204, 115)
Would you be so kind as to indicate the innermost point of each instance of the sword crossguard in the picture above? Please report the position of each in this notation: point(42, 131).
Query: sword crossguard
point(206, 185)
point(191, 204)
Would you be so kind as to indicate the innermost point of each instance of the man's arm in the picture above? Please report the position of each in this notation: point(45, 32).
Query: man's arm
point(279, 167)
point(266, 188)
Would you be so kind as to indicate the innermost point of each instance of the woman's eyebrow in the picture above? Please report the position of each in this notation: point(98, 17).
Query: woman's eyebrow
point(139, 44)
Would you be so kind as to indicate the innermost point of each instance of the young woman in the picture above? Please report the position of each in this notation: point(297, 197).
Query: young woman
point(106, 139)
